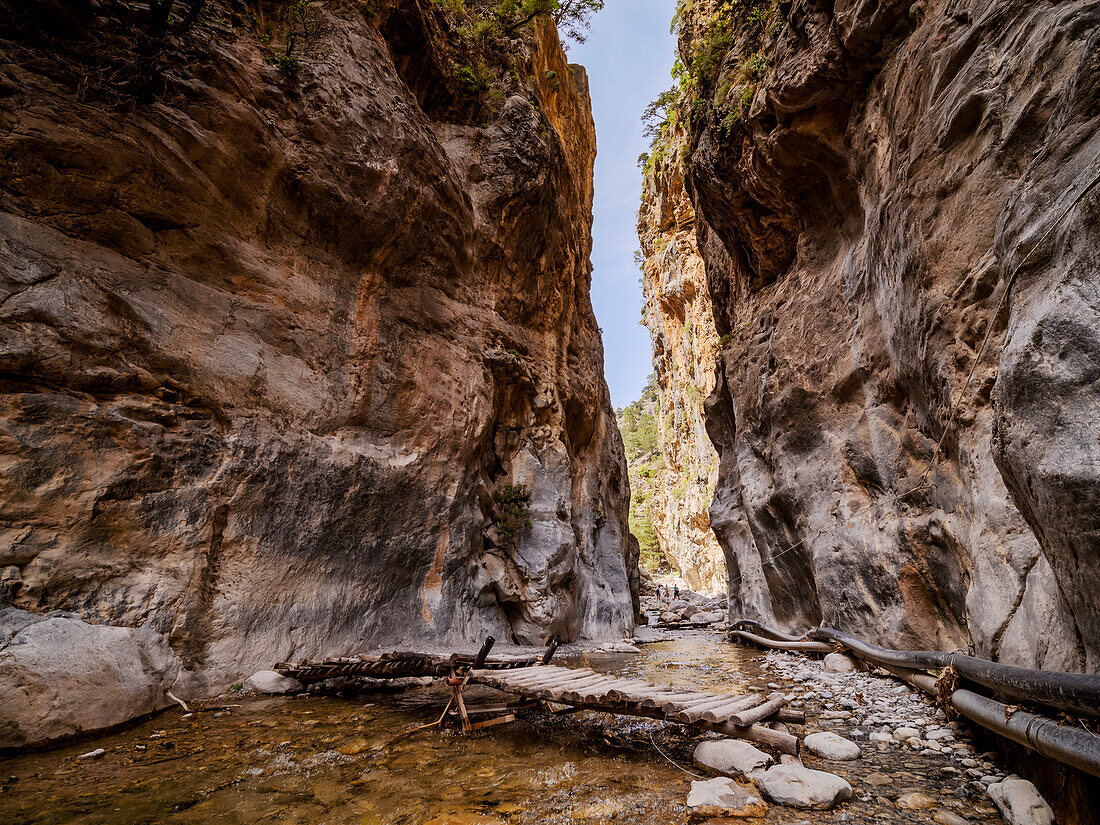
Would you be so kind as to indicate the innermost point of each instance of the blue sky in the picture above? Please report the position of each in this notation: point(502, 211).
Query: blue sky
point(628, 56)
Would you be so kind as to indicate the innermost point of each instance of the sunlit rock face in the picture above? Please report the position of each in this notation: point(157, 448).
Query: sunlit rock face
point(678, 315)
point(865, 190)
point(273, 346)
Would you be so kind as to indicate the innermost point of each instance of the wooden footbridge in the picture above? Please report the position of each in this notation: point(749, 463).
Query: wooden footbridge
point(754, 716)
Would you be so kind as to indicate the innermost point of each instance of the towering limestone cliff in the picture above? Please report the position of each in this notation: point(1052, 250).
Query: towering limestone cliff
point(678, 315)
point(879, 188)
point(296, 346)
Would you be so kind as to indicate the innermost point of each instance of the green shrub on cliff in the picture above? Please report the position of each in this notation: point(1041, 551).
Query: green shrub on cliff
point(510, 512)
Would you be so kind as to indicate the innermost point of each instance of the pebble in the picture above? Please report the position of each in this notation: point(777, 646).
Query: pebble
point(915, 801)
point(904, 734)
point(98, 752)
point(948, 818)
point(831, 746)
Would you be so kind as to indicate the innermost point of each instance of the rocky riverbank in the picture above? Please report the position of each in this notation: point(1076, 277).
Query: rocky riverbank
point(320, 757)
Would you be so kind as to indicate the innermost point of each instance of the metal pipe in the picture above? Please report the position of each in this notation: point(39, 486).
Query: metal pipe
point(763, 630)
point(1074, 692)
point(802, 647)
point(1070, 745)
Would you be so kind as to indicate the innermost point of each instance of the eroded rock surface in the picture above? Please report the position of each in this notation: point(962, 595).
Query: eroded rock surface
point(868, 180)
point(678, 314)
point(278, 349)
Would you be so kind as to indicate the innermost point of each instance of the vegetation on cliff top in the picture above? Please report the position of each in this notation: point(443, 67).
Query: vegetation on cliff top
point(721, 66)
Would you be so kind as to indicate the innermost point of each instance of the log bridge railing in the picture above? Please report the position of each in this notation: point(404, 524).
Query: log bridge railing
point(754, 716)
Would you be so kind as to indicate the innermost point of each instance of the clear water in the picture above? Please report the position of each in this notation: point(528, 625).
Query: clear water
point(332, 760)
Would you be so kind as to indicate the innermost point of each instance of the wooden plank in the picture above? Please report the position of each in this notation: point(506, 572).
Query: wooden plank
point(744, 718)
point(488, 723)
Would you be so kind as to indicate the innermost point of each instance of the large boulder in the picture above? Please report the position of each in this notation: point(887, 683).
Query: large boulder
point(62, 677)
point(706, 617)
point(729, 757)
point(801, 787)
point(271, 682)
point(1020, 803)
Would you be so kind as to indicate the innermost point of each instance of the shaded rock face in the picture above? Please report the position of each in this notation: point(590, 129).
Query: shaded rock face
point(893, 171)
point(678, 314)
point(271, 348)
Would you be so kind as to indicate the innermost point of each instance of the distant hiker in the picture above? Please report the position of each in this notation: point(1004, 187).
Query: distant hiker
point(675, 591)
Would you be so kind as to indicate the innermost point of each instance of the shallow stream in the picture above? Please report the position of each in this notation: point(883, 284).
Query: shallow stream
point(331, 760)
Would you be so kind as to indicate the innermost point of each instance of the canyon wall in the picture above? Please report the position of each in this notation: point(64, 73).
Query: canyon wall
point(677, 312)
point(878, 189)
point(296, 347)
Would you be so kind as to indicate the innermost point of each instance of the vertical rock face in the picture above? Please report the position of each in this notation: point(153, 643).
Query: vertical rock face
point(298, 361)
point(681, 324)
point(869, 179)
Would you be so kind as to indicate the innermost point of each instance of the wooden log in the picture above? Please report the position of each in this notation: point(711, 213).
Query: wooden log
point(632, 690)
point(592, 692)
point(722, 712)
point(554, 692)
point(673, 704)
point(552, 680)
point(657, 700)
point(549, 654)
point(745, 718)
point(540, 674)
point(782, 742)
point(791, 715)
point(720, 708)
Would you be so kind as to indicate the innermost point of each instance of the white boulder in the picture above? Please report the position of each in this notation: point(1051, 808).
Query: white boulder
point(62, 677)
point(268, 681)
point(1020, 803)
point(729, 757)
point(723, 797)
point(800, 787)
point(839, 663)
